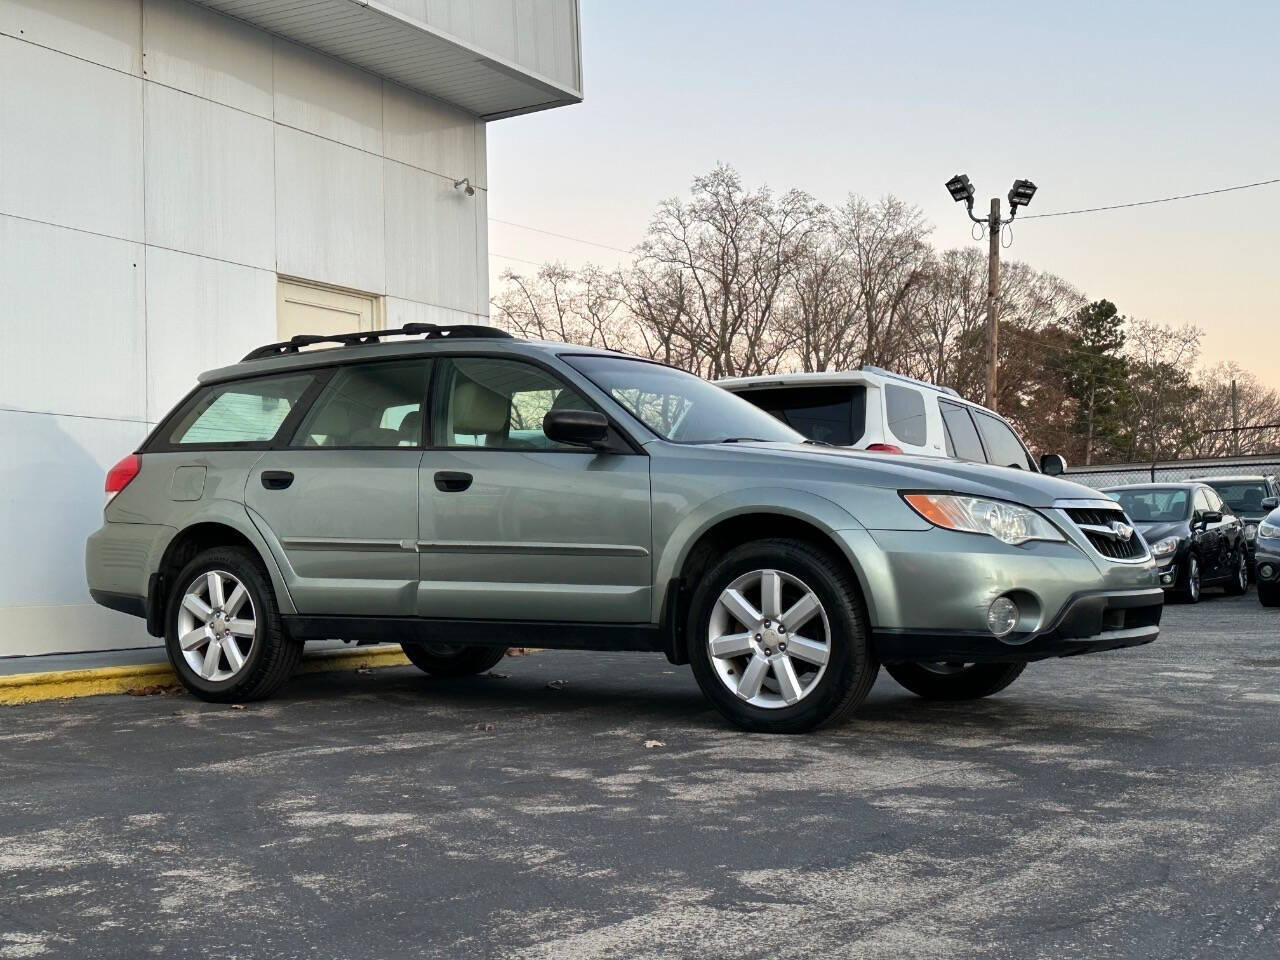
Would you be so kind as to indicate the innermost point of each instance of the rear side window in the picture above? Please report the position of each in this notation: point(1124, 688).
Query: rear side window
point(962, 435)
point(368, 405)
point(904, 411)
point(835, 415)
point(243, 412)
point(1004, 449)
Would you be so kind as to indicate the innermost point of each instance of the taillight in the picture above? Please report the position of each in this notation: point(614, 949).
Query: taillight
point(884, 448)
point(122, 474)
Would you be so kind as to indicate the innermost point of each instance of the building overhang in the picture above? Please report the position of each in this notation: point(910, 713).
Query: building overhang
point(409, 51)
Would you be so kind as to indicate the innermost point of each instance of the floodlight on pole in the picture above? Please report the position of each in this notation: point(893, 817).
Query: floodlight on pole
point(1020, 195)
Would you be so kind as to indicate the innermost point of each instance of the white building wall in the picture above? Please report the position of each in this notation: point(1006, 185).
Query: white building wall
point(160, 165)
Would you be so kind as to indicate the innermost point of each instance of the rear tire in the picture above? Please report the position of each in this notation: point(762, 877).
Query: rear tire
point(1269, 594)
point(223, 633)
point(970, 682)
point(807, 663)
point(452, 660)
point(1238, 585)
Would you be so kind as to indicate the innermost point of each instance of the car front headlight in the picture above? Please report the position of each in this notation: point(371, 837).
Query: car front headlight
point(1268, 530)
point(1251, 531)
point(1007, 522)
point(1165, 547)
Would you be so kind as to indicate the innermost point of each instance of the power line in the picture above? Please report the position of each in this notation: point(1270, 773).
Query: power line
point(562, 236)
point(1144, 203)
point(504, 256)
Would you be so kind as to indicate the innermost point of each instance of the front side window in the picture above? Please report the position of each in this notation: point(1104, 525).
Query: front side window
point(243, 412)
point(368, 405)
point(904, 412)
point(678, 406)
point(962, 435)
point(834, 415)
point(498, 403)
point(1004, 449)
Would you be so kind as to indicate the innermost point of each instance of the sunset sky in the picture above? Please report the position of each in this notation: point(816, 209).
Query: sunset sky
point(1098, 103)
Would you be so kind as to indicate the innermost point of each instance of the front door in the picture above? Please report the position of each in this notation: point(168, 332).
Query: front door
point(514, 526)
point(341, 502)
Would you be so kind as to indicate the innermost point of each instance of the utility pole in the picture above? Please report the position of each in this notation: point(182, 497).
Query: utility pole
point(1235, 420)
point(993, 300)
point(1019, 196)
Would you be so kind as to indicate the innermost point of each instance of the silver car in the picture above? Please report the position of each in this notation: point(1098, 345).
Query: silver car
point(459, 491)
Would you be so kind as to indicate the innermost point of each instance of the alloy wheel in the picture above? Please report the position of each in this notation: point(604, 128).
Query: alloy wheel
point(216, 625)
point(769, 639)
point(1243, 573)
point(1193, 580)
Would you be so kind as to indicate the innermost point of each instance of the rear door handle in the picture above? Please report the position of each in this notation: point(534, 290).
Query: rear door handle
point(452, 481)
point(276, 479)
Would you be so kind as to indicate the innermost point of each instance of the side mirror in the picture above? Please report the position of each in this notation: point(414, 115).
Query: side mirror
point(580, 428)
point(1210, 516)
point(1270, 503)
point(1053, 464)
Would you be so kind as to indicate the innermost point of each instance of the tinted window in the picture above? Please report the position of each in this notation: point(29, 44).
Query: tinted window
point(962, 435)
point(248, 411)
point(835, 415)
point(904, 410)
point(368, 405)
point(1154, 506)
point(1245, 497)
point(1004, 449)
point(486, 402)
point(678, 406)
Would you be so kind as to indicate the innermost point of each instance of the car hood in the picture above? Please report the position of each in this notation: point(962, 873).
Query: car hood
point(1154, 532)
point(907, 472)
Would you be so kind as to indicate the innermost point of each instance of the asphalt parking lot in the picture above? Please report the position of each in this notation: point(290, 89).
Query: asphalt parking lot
point(1119, 805)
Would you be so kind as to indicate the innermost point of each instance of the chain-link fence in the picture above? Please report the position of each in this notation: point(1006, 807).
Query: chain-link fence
point(1113, 474)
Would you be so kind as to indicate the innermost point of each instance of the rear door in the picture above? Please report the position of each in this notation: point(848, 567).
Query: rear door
point(514, 526)
point(962, 438)
point(1207, 537)
point(340, 497)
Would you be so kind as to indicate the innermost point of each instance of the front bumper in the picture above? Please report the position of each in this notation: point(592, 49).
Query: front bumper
point(928, 593)
point(1089, 623)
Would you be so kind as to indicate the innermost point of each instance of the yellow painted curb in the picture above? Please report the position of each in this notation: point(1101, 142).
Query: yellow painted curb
point(64, 684)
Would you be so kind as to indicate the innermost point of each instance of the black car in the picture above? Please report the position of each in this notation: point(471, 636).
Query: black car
point(1195, 539)
point(1250, 497)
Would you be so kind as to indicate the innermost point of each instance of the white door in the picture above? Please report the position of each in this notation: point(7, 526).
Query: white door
point(307, 308)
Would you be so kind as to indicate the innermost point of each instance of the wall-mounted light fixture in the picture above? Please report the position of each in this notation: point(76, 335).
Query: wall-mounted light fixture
point(465, 186)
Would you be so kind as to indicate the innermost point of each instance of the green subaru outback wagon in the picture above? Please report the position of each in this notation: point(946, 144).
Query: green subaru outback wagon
point(459, 491)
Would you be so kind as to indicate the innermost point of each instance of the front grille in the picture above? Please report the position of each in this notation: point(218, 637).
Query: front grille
point(1109, 547)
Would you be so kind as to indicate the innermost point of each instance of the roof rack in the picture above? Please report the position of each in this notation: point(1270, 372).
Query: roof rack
point(428, 331)
point(902, 376)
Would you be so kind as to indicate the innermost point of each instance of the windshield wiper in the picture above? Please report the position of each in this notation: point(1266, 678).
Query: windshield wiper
point(743, 440)
point(817, 443)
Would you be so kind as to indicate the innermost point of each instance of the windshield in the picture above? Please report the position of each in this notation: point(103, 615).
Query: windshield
point(1154, 506)
point(1242, 496)
point(678, 406)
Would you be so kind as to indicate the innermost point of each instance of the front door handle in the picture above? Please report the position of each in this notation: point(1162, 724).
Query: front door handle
point(452, 481)
point(276, 479)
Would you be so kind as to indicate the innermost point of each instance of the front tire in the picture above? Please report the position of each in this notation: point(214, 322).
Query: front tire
point(1191, 584)
point(223, 633)
point(959, 681)
point(777, 638)
point(1238, 585)
point(452, 660)
point(1269, 594)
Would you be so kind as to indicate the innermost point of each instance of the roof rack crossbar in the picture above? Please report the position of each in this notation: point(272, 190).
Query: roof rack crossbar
point(428, 331)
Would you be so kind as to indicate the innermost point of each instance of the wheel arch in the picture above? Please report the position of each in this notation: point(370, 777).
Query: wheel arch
point(742, 523)
point(219, 527)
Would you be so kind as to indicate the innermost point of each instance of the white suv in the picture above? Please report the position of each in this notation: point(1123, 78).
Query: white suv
point(874, 409)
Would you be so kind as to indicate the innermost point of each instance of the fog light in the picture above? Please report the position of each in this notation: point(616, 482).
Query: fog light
point(1002, 616)
point(1166, 578)
point(1266, 571)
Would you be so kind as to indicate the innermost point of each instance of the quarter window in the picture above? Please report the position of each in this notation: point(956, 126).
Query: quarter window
point(904, 411)
point(244, 412)
point(497, 403)
point(1004, 449)
point(368, 405)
